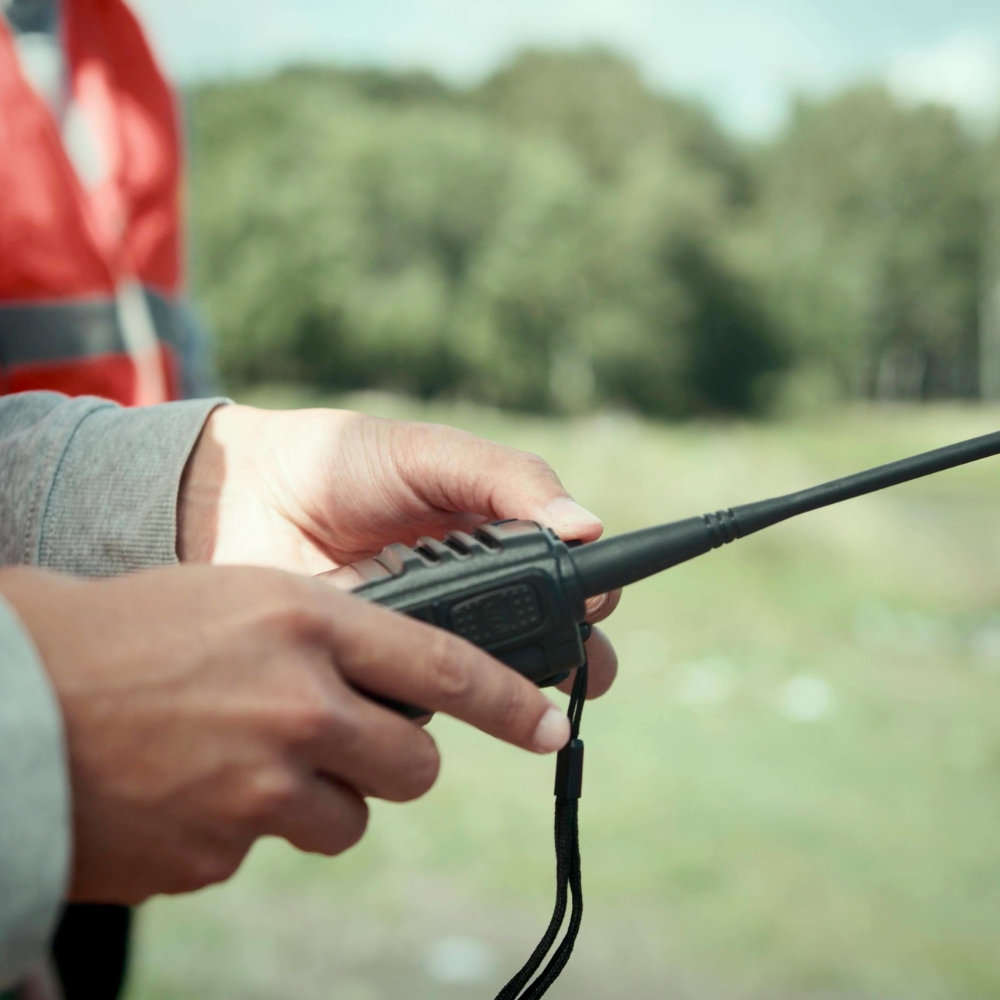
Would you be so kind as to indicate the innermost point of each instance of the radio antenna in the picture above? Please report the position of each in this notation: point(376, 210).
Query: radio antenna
point(624, 559)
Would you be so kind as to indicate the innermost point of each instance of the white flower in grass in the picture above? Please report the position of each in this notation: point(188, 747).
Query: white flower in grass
point(806, 698)
point(460, 960)
point(707, 682)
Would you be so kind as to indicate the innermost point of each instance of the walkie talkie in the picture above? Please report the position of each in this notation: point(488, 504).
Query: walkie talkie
point(511, 588)
point(516, 590)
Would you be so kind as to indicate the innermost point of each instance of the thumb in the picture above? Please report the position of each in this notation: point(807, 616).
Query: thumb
point(459, 472)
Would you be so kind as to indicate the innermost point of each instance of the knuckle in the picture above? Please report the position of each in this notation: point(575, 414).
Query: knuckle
point(420, 774)
point(534, 460)
point(308, 714)
point(534, 464)
point(354, 823)
point(212, 867)
point(290, 616)
point(511, 710)
point(451, 676)
point(293, 607)
point(346, 732)
point(311, 722)
point(270, 794)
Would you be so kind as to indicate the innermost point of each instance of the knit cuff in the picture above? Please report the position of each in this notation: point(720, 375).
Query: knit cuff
point(112, 505)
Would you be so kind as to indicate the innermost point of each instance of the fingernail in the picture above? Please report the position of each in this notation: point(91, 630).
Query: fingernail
point(553, 731)
point(594, 605)
point(569, 511)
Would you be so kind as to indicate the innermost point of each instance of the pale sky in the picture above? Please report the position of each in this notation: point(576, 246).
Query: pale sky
point(743, 59)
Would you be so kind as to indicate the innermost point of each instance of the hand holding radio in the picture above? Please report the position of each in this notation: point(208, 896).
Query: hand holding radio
point(341, 483)
point(204, 708)
point(311, 490)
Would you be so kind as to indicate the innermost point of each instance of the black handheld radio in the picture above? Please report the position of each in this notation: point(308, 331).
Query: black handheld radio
point(517, 591)
point(511, 588)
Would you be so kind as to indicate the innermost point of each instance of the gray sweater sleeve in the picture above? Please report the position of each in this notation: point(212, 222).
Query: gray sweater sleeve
point(34, 804)
point(87, 488)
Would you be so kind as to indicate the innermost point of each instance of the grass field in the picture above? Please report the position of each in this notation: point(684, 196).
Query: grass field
point(793, 791)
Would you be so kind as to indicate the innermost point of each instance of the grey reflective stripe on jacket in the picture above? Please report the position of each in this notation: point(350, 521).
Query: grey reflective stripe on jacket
point(177, 324)
point(57, 330)
point(48, 331)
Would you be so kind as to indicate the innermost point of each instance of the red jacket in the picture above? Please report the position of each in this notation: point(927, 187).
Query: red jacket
point(90, 280)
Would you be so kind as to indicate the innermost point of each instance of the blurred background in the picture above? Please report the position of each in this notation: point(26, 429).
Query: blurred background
point(693, 255)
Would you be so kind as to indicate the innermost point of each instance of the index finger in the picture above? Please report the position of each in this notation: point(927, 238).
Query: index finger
point(386, 653)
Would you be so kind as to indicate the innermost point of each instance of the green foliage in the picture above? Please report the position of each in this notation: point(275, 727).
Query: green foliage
point(562, 237)
point(869, 227)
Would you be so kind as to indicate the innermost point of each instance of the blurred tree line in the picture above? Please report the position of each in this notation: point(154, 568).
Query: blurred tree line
point(561, 236)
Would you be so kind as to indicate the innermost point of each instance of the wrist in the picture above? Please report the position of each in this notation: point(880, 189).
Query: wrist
point(218, 482)
point(200, 493)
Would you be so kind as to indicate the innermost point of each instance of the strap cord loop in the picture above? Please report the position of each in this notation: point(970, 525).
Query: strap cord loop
point(569, 782)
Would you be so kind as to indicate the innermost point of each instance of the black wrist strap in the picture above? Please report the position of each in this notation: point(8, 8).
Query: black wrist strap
point(569, 778)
